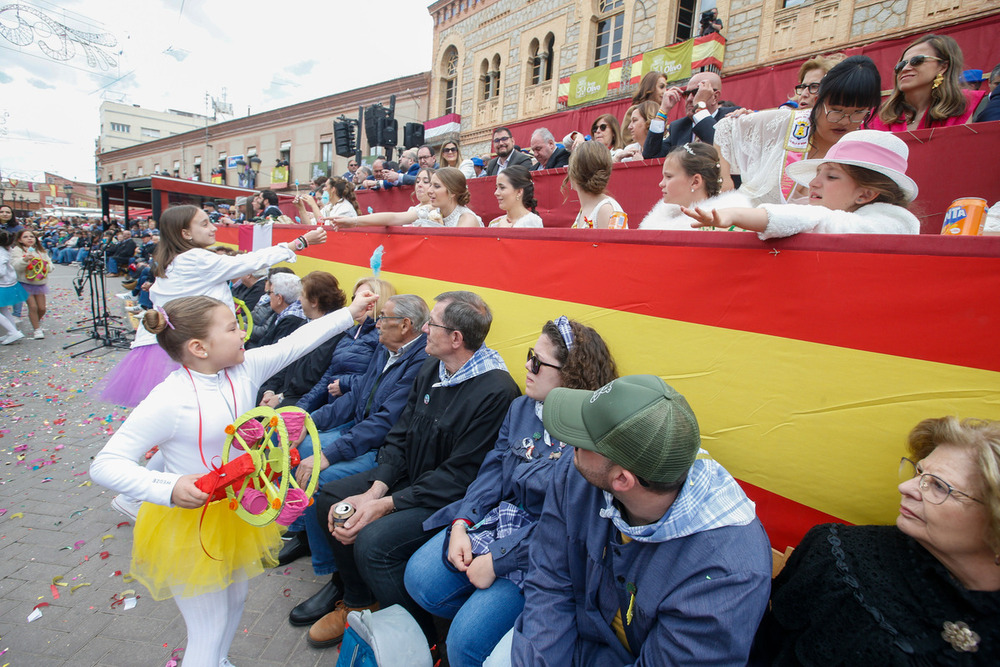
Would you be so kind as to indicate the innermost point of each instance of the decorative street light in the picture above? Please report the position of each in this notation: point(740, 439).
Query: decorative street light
point(69, 194)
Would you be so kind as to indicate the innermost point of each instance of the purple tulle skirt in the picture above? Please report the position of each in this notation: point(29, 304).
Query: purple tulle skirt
point(35, 289)
point(136, 374)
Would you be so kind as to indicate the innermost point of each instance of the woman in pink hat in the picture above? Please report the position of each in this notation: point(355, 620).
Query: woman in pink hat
point(859, 187)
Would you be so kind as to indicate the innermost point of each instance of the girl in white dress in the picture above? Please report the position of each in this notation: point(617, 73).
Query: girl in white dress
point(589, 174)
point(515, 194)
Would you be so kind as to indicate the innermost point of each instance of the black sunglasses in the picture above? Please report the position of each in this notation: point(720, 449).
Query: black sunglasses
point(603, 127)
point(915, 61)
point(536, 363)
point(449, 149)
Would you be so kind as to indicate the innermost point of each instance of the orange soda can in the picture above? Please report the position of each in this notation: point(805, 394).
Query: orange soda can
point(965, 217)
point(619, 220)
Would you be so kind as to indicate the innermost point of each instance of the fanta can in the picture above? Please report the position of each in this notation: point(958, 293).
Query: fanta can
point(619, 220)
point(965, 217)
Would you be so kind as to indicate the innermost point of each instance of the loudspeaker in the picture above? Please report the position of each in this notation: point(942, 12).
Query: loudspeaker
point(413, 135)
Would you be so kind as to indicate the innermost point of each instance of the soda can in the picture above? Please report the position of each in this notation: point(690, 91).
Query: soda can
point(965, 217)
point(619, 220)
point(342, 512)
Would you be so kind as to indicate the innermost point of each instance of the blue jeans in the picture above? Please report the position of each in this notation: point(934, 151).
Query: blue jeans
point(480, 617)
point(316, 526)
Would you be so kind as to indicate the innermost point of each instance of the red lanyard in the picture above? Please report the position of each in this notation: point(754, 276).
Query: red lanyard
point(194, 386)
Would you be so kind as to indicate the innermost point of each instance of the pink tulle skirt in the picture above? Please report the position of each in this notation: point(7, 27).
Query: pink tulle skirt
point(136, 374)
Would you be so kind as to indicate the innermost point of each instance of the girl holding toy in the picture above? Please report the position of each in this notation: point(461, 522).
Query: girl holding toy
point(201, 553)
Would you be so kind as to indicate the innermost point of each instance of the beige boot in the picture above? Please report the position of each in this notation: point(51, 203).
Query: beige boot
point(329, 630)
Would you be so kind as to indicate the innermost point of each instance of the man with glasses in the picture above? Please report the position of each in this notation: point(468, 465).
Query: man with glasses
point(701, 101)
point(425, 157)
point(351, 429)
point(408, 168)
point(503, 144)
point(648, 551)
point(428, 459)
point(352, 166)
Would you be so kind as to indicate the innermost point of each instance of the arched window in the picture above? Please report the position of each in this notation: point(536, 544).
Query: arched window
point(548, 56)
point(485, 80)
point(495, 74)
point(449, 80)
point(534, 63)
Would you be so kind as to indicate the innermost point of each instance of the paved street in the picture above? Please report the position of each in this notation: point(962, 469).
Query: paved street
point(56, 526)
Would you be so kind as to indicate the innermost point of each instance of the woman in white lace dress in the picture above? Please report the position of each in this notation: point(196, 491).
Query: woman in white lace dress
point(759, 146)
point(515, 195)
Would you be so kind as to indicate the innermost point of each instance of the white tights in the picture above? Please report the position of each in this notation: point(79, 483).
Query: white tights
point(212, 620)
point(5, 321)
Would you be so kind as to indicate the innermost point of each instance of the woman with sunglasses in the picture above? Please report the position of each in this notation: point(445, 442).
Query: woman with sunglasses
point(759, 146)
point(450, 155)
point(473, 571)
point(605, 130)
point(927, 91)
point(923, 592)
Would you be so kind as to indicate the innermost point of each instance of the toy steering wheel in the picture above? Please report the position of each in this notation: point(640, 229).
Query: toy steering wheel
point(244, 318)
point(36, 269)
point(268, 491)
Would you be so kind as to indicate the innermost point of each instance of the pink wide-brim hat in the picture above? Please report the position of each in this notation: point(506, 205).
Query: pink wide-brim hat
point(882, 152)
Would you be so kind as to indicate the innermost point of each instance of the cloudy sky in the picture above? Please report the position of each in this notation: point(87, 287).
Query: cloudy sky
point(166, 54)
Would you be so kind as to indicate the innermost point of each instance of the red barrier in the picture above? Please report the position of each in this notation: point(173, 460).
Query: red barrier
point(947, 163)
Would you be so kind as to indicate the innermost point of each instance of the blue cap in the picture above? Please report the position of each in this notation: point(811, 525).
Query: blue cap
point(477, 162)
point(973, 75)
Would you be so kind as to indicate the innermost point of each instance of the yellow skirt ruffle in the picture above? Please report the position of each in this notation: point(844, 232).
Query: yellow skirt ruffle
point(171, 547)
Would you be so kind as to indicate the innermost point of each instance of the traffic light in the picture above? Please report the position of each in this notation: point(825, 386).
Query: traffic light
point(373, 124)
point(343, 137)
point(413, 135)
point(388, 132)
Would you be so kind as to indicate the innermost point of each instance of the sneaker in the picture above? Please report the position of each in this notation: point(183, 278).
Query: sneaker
point(134, 309)
point(39, 334)
point(329, 630)
point(126, 505)
point(11, 338)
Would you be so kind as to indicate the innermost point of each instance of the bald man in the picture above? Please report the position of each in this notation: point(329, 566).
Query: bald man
point(701, 101)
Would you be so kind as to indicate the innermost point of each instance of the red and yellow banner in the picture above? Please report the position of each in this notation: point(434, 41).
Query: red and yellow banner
point(806, 360)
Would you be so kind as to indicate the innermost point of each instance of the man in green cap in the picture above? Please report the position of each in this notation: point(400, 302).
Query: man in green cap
point(647, 549)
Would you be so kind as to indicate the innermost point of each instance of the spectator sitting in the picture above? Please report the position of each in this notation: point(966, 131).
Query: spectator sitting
point(606, 131)
point(478, 166)
point(351, 431)
point(269, 200)
point(515, 193)
point(362, 175)
point(691, 178)
point(351, 356)
point(449, 199)
point(503, 144)
point(321, 294)
point(859, 187)
point(478, 585)
point(702, 106)
point(638, 128)
point(208, 206)
point(408, 167)
point(425, 157)
point(263, 315)
point(121, 256)
point(589, 174)
point(317, 184)
point(547, 152)
point(972, 79)
point(759, 146)
point(450, 155)
point(856, 595)
point(992, 109)
point(647, 551)
point(284, 293)
point(250, 288)
point(337, 199)
point(422, 188)
point(352, 167)
point(428, 459)
point(927, 91)
point(811, 73)
point(378, 180)
point(651, 88)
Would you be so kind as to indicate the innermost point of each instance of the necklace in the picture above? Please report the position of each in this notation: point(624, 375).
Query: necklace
point(201, 451)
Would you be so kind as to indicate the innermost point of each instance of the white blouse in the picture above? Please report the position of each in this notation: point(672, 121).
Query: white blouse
point(169, 417)
point(529, 219)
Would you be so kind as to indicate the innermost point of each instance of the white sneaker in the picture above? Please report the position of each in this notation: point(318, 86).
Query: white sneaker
point(126, 505)
point(134, 309)
point(11, 338)
point(39, 334)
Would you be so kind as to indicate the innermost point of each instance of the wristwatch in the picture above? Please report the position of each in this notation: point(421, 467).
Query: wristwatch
point(701, 106)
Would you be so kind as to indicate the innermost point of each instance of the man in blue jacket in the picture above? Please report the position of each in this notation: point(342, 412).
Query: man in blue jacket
point(647, 550)
point(351, 430)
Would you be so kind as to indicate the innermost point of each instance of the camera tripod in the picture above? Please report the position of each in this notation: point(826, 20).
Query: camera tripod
point(104, 329)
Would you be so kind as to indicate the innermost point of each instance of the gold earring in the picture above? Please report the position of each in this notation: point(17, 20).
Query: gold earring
point(938, 80)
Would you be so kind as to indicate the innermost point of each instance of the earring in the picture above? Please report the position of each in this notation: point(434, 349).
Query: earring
point(692, 189)
point(938, 80)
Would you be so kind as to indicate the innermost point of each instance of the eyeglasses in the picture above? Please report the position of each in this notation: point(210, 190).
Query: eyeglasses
point(501, 140)
point(535, 364)
point(603, 127)
point(836, 116)
point(388, 317)
point(812, 87)
point(915, 61)
point(934, 489)
point(689, 93)
point(440, 326)
point(449, 149)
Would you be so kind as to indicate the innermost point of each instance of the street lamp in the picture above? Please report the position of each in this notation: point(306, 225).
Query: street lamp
point(69, 194)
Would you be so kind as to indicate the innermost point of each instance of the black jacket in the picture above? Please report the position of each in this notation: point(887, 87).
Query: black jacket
point(516, 157)
point(680, 132)
point(559, 158)
point(250, 295)
point(124, 251)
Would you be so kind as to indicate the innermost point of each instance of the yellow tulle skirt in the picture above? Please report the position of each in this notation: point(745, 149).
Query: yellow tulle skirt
point(177, 552)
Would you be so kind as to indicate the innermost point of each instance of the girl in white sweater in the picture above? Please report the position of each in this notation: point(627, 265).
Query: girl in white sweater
point(202, 555)
point(859, 187)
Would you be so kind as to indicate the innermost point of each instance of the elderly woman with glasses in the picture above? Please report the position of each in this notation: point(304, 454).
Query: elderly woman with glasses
point(472, 572)
point(811, 73)
point(927, 90)
point(923, 592)
point(759, 146)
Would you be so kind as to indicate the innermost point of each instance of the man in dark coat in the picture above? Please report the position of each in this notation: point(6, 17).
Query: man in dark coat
point(702, 103)
point(549, 154)
point(429, 458)
point(503, 144)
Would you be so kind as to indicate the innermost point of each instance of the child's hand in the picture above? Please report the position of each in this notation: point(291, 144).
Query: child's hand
point(364, 301)
point(186, 494)
point(315, 236)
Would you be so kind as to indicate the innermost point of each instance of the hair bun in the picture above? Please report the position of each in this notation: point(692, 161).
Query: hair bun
point(154, 321)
